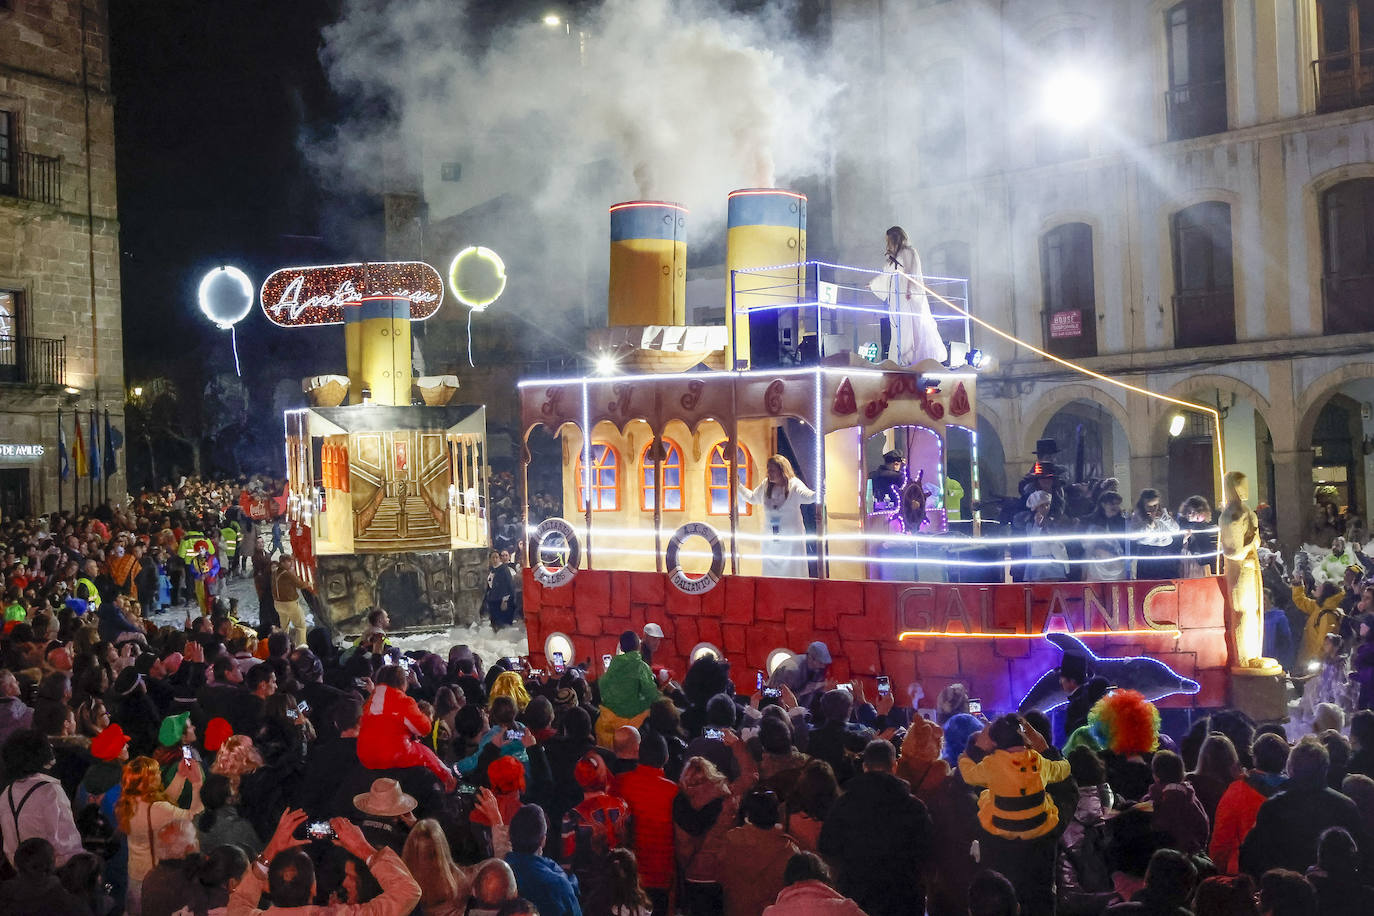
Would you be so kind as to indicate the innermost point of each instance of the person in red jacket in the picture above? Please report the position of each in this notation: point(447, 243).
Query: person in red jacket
point(650, 796)
point(392, 728)
point(1240, 803)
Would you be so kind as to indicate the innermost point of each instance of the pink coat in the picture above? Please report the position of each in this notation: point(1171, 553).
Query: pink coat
point(812, 898)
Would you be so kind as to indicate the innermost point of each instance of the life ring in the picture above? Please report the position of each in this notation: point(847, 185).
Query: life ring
point(548, 576)
point(695, 585)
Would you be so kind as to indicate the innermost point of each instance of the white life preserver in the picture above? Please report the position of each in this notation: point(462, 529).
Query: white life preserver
point(553, 577)
point(695, 585)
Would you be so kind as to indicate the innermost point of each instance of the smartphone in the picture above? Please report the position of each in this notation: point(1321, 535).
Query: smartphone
point(302, 707)
point(848, 687)
point(605, 661)
point(404, 662)
point(536, 672)
point(292, 714)
point(360, 682)
point(465, 789)
point(514, 734)
point(186, 753)
point(514, 662)
point(772, 693)
point(714, 734)
point(975, 707)
point(320, 830)
point(884, 685)
point(559, 665)
point(758, 682)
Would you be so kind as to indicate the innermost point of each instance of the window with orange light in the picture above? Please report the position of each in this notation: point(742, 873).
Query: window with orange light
point(672, 478)
point(604, 479)
point(718, 480)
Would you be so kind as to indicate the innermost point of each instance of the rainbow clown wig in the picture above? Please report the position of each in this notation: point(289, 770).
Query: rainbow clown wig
point(1124, 723)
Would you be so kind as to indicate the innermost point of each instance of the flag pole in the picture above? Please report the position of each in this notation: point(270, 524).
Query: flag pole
point(91, 458)
point(59, 459)
point(106, 467)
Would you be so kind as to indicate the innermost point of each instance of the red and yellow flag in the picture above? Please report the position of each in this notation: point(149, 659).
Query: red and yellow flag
point(79, 461)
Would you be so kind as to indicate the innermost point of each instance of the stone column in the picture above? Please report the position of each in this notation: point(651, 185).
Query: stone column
point(1293, 495)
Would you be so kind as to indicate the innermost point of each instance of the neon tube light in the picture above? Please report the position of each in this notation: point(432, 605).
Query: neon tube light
point(638, 204)
point(935, 634)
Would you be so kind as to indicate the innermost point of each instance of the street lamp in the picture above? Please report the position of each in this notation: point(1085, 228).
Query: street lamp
point(138, 391)
point(553, 20)
point(1071, 97)
point(1176, 424)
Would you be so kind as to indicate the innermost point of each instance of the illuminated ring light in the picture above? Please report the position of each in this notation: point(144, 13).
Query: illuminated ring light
point(559, 642)
point(226, 295)
point(705, 650)
point(685, 582)
point(554, 576)
point(477, 277)
point(775, 658)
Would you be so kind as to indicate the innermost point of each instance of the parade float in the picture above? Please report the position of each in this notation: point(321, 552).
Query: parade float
point(659, 447)
point(385, 496)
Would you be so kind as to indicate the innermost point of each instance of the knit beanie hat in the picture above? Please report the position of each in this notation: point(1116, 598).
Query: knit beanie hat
point(217, 731)
point(958, 730)
point(505, 775)
point(169, 734)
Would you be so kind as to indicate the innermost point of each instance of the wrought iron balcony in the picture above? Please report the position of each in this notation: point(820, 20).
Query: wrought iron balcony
point(1344, 81)
point(32, 360)
point(29, 176)
point(1196, 109)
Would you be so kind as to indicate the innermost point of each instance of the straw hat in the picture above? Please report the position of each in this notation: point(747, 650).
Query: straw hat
point(384, 799)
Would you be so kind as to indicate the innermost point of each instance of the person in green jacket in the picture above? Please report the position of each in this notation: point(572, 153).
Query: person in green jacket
point(627, 690)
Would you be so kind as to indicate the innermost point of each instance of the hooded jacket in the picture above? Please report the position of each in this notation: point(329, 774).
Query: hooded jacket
point(881, 869)
point(390, 719)
point(1179, 814)
point(627, 687)
point(1236, 813)
point(812, 898)
point(1015, 804)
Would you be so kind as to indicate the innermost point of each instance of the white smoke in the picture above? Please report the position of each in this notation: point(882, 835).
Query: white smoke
point(658, 98)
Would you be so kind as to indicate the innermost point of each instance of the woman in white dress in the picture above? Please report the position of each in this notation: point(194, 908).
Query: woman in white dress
point(913, 332)
point(782, 495)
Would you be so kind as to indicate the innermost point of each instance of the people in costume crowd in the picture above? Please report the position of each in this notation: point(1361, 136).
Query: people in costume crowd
point(201, 765)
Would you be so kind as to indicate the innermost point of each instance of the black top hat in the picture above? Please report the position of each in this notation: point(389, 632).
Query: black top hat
point(1046, 447)
point(1074, 667)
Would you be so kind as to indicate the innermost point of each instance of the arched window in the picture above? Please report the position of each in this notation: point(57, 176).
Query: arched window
point(1066, 272)
point(1348, 256)
point(1204, 297)
point(604, 479)
point(672, 477)
point(718, 480)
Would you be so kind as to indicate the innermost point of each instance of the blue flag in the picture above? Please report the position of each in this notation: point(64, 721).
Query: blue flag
point(114, 440)
point(95, 448)
point(64, 467)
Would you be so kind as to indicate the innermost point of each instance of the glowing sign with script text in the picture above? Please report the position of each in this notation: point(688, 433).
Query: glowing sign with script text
point(296, 296)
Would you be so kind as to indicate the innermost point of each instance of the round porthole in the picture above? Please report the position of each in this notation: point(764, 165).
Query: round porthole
point(775, 658)
point(704, 649)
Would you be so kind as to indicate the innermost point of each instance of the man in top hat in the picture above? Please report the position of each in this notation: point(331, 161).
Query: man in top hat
point(888, 479)
point(1083, 689)
point(1046, 474)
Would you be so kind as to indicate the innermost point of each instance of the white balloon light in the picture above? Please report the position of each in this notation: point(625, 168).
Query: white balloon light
point(226, 296)
point(477, 277)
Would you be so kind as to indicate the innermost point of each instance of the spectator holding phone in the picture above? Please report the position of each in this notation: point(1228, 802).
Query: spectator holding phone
point(286, 873)
point(628, 689)
point(806, 674)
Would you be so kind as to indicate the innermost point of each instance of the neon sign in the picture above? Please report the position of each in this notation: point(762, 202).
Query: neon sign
point(309, 296)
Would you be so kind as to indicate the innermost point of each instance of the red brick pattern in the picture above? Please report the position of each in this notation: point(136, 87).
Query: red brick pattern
point(750, 617)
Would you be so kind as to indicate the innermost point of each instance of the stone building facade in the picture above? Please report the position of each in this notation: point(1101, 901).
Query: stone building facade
point(1179, 195)
point(61, 337)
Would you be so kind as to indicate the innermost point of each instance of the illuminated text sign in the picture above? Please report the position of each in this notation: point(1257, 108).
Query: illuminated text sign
point(295, 296)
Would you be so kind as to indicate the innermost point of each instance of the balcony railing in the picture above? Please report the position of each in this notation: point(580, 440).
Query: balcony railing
point(30, 176)
point(1344, 80)
point(1348, 303)
point(32, 360)
point(1205, 317)
point(1196, 109)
